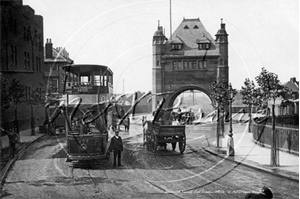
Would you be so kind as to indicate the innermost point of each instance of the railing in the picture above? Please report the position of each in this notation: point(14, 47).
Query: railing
point(287, 139)
point(291, 121)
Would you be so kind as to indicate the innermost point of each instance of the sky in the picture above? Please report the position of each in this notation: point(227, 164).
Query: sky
point(118, 34)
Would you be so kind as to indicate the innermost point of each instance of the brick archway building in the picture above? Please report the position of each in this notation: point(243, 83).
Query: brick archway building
point(190, 59)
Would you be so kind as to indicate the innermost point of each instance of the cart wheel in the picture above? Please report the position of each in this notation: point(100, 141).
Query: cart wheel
point(182, 144)
point(174, 146)
point(148, 143)
point(154, 144)
point(154, 147)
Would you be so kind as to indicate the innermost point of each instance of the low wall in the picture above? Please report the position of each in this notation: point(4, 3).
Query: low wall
point(287, 138)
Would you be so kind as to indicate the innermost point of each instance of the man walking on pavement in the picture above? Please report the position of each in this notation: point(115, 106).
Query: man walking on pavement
point(116, 146)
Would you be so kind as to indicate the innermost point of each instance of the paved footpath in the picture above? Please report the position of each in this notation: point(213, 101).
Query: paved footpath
point(249, 153)
point(25, 140)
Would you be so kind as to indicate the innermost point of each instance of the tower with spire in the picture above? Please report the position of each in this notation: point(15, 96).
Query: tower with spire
point(222, 46)
point(158, 44)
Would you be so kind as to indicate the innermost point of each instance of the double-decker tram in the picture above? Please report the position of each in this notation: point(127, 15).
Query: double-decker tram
point(87, 111)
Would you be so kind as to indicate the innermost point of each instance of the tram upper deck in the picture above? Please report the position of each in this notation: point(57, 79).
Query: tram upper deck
point(88, 79)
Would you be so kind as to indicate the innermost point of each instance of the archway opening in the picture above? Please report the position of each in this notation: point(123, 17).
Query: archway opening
point(193, 99)
point(193, 105)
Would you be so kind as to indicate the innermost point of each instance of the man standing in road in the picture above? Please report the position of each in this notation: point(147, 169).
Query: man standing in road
point(116, 146)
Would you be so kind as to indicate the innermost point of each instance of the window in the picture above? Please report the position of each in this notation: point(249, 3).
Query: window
point(190, 65)
point(54, 85)
point(186, 27)
point(26, 96)
point(185, 65)
point(200, 64)
point(25, 60)
point(205, 64)
point(28, 34)
point(179, 65)
point(203, 46)
point(176, 46)
point(157, 63)
point(28, 60)
point(25, 33)
point(194, 65)
point(174, 65)
point(13, 55)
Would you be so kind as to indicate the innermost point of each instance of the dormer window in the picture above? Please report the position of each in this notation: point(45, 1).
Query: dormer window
point(176, 46)
point(203, 46)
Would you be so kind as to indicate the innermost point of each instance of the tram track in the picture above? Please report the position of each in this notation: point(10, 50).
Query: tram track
point(183, 166)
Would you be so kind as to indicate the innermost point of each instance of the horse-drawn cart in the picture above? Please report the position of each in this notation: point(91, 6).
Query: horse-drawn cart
point(156, 135)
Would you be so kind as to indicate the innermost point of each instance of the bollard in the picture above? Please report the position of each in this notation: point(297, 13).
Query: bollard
point(230, 146)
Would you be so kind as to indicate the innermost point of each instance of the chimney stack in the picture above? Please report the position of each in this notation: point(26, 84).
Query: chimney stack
point(48, 49)
point(293, 79)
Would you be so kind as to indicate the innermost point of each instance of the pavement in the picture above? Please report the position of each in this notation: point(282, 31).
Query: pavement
point(247, 152)
point(25, 140)
point(253, 155)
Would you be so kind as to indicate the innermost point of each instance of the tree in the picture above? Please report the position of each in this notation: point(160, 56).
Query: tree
point(271, 88)
point(5, 102)
point(5, 97)
point(250, 96)
point(36, 98)
point(219, 92)
point(17, 94)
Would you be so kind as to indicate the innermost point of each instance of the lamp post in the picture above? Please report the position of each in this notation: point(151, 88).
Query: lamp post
point(230, 142)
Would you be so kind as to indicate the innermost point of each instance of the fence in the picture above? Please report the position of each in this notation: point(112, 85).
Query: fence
point(287, 139)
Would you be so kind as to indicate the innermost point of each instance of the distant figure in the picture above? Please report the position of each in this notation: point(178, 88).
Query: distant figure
point(265, 193)
point(122, 112)
point(13, 139)
point(126, 123)
point(116, 146)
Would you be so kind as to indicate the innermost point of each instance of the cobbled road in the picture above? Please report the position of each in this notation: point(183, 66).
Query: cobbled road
point(42, 172)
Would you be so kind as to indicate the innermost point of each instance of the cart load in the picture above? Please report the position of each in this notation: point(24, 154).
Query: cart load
point(156, 134)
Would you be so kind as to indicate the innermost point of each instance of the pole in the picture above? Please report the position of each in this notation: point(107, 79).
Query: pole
point(250, 118)
point(230, 142)
point(274, 151)
point(218, 127)
point(170, 21)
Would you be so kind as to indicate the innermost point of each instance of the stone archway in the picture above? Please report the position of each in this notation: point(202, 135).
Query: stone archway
point(171, 97)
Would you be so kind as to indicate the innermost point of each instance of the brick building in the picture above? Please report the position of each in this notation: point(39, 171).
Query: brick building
point(22, 56)
point(293, 97)
point(54, 75)
point(190, 59)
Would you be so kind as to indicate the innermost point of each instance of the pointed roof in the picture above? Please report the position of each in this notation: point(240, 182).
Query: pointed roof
point(293, 84)
point(191, 32)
